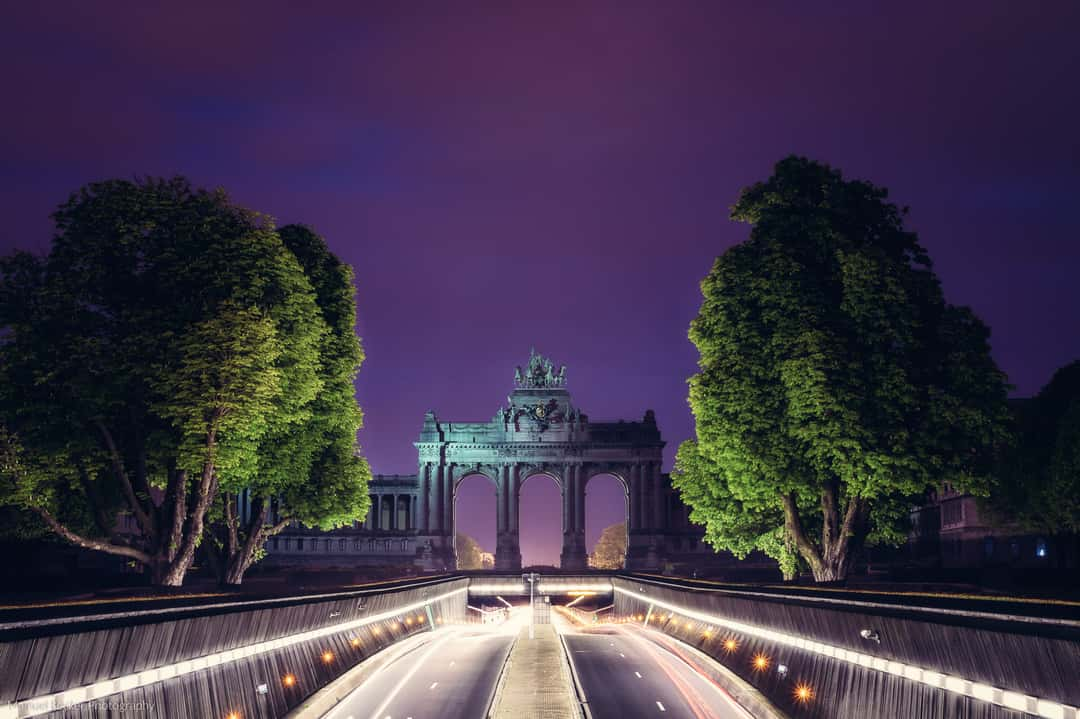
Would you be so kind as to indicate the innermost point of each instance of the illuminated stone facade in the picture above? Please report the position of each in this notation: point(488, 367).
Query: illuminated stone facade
point(537, 431)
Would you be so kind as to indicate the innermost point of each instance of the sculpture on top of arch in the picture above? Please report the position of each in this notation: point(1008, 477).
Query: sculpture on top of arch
point(537, 431)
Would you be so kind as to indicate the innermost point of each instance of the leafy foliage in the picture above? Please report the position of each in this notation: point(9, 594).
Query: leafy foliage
point(1040, 486)
point(730, 524)
point(832, 373)
point(309, 465)
point(165, 350)
point(470, 555)
point(610, 549)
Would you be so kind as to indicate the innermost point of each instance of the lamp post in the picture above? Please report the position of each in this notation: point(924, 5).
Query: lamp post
point(532, 578)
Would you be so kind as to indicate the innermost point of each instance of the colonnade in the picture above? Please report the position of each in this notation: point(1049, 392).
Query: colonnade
point(438, 483)
point(374, 520)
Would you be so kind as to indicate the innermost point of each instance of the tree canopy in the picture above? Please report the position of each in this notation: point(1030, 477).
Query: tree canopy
point(150, 361)
point(833, 376)
point(610, 549)
point(1040, 487)
point(731, 524)
point(470, 555)
point(309, 469)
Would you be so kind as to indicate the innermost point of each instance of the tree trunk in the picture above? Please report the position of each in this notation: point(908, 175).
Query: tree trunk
point(165, 550)
point(234, 571)
point(240, 555)
point(829, 562)
point(173, 574)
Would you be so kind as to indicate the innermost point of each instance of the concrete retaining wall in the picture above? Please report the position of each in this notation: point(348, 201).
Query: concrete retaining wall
point(253, 646)
point(1030, 656)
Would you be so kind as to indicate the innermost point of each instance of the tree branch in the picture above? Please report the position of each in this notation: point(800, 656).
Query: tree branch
point(145, 523)
point(93, 496)
point(176, 494)
point(830, 516)
point(793, 527)
point(255, 532)
point(232, 539)
point(94, 544)
point(279, 527)
point(852, 517)
point(204, 496)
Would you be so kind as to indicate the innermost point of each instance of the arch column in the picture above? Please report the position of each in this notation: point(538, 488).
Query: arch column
point(440, 499)
point(658, 499)
point(508, 543)
point(427, 499)
point(447, 511)
point(644, 520)
point(448, 504)
point(514, 507)
point(573, 490)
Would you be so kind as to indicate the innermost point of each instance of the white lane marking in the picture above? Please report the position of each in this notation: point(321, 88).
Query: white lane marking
point(661, 707)
point(659, 650)
point(638, 674)
point(433, 685)
point(408, 675)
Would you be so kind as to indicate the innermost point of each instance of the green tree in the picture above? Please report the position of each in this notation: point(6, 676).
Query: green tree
point(833, 376)
point(145, 361)
point(310, 470)
point(610, 549)
point(1040, 484)
point(470, 555)
point(739, 527)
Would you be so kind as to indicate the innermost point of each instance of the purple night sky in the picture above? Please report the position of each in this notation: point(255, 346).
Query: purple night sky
point(503, 178)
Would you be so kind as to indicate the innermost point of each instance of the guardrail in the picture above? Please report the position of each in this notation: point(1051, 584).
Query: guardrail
point(249, 658)
point(826, 655)
point(550, 585)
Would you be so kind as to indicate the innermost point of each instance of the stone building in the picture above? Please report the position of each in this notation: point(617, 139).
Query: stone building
point(537, 431)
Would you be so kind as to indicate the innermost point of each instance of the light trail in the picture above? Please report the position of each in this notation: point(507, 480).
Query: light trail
point(392, 694)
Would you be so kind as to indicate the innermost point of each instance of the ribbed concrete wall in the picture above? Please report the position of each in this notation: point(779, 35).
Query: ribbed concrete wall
point(1039, 658)
point(41, 659)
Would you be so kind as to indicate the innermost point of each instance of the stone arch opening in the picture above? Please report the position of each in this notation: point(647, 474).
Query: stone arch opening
point(540, 520)
point(607, 515)
point(475, 521)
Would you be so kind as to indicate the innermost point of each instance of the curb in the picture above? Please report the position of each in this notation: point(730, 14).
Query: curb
point(325, 699)
point(496, 694)
point(568, 663)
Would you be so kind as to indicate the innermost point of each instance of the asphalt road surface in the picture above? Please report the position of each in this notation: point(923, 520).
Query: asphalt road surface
point(451, 677)
point(624, 675)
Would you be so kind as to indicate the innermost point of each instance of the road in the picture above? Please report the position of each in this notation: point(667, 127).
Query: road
point(451, 677)
point(623, 674)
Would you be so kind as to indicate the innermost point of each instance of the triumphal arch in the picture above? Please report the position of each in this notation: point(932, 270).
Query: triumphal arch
point(538, 431)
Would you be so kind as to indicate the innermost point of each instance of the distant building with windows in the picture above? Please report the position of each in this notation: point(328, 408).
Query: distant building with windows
point(949, 531)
